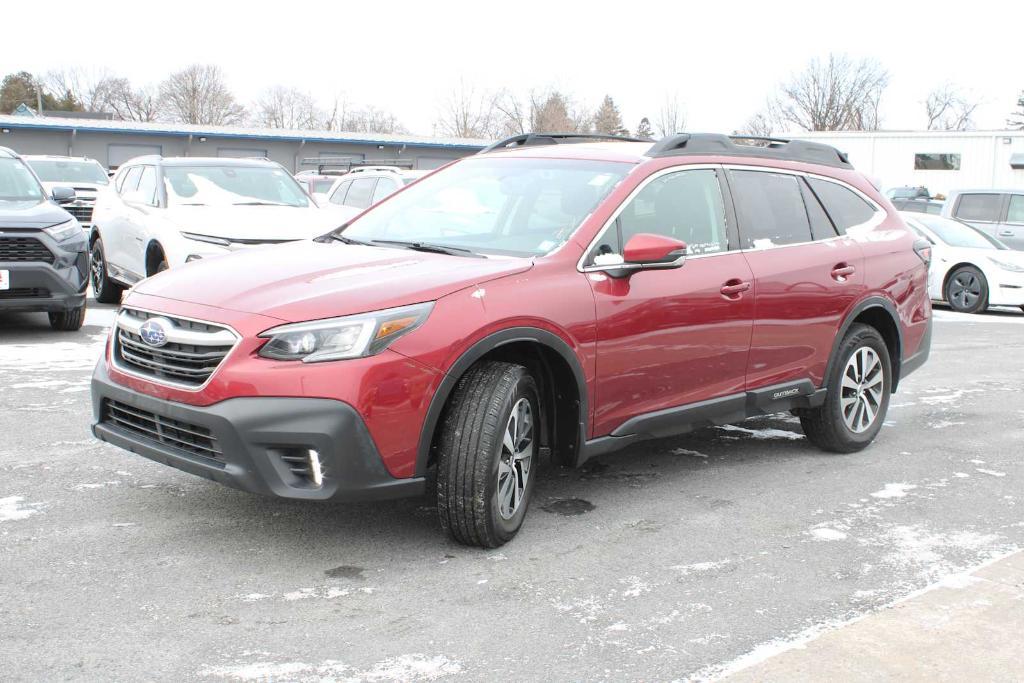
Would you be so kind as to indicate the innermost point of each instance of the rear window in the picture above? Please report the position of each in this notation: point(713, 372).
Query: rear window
point(979, 207)
point(771, 209)
point(846, 208)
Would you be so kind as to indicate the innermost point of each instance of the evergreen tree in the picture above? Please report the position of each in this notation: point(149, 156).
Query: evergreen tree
point(608, 120)
point(643, 130)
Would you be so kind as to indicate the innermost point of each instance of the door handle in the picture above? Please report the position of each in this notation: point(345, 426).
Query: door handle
point(1006, 233)
point(842, 271)
point(734, 288)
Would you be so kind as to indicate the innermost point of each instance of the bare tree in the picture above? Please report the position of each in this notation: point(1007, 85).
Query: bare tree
point(283, 107)
point(511, 117)
point(670, 119)
point(948, 108)
point(760, 125)
point(198, 94)
point(1016, 119)
point(835, 94)
point(127, 102)
point(608, 119)
point(88, 87)
point(467, 112)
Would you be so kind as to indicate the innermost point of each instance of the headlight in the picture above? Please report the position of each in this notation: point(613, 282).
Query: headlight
point(1012, 267)
point(349, 337)
point(64, 231)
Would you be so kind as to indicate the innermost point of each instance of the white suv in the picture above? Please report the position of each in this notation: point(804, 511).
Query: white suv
point(363, 187)
point(161, 213)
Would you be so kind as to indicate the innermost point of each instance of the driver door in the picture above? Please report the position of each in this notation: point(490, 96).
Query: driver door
point(667, 338)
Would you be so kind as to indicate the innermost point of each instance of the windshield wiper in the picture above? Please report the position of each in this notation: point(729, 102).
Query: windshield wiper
point(428, 247)
point(338, 237)
point(260, 204)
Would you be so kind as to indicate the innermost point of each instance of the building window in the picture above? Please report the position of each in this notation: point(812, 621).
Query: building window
point(936, 162)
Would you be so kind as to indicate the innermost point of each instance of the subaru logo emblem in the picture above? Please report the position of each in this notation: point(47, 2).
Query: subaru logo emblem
point(154, 331)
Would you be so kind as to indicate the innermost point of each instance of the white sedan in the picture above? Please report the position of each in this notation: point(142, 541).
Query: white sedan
point(970, 270)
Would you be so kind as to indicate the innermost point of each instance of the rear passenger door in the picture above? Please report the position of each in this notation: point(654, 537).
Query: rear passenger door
point(807, 273)
point(1011, 230)
point(983, 210)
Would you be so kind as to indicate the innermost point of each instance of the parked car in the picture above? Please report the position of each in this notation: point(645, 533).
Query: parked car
point(85, 176)
point(908, 192)
point(44, 255)
point(365, 186)
point(315, 184)
point(998, 213)
point(538, 299)
point(970, 270)
point(919, 205)
point(161, 213)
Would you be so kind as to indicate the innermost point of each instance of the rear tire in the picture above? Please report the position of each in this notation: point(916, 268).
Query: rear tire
point(106, 290)
point(967, 290)
point(857, 398)
point(488, 451)
point(68, 321)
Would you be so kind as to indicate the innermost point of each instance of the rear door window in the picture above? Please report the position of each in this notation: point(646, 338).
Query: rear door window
point(385, 187)
point(360, 193)
point(130, 180)
point(1015, 213)
point(979, 207)
point(846, 208)
point(770, 208)
point(339, 194)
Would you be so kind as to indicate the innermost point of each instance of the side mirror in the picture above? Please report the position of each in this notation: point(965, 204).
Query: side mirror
point(63, 195)
point(656, 251)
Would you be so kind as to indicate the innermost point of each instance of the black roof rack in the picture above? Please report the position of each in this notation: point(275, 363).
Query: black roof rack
point(531, 139)
point(346, 164)
point(768, 148)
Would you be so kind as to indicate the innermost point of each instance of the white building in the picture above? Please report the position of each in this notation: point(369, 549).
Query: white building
point(939, 160)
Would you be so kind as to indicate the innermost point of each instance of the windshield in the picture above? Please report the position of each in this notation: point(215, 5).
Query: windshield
point(957, 234)
point(17, 182)
point(61, 171)
point(231, 186)
point(514, 207)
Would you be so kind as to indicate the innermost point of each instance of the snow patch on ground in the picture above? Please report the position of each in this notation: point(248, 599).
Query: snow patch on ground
point(763, 434)
point(826, 534)
point(52, 356)
point(12, 510)
point(893, 491)
point(410, 667)
point(636, 587)
point(698, 567)
point(991, 473)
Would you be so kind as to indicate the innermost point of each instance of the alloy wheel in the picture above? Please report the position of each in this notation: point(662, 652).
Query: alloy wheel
point(516, 459)
point(862, 389)
point(96, 270)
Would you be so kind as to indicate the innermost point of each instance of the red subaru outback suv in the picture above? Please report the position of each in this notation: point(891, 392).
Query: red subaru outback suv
point(541, 299)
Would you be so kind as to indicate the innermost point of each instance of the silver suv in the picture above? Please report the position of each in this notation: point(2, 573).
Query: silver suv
point(86, 176)
point(363, 187)
point(997, 213)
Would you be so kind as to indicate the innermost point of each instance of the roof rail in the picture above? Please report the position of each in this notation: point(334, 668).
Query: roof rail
point(531, 139)
point(348, 163)
point(713, 144)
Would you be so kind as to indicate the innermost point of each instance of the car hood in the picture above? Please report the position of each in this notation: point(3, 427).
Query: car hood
point(313, 280)
point(31, 214)
point(256, 222)
point(77, 187)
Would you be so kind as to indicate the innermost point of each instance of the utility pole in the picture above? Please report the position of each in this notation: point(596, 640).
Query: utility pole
point(39, 97)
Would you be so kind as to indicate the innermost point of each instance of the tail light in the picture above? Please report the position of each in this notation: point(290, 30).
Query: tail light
point(923, 248)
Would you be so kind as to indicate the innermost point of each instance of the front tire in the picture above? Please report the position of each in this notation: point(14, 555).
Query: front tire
point(859, 386)
point(68, 321)
point(967, 290)
point(106, 290)
point(487, 454)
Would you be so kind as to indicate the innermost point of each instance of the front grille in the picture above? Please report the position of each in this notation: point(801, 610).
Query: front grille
point(25, 293)
point(192, 353)
point(82, 213)
point(24, 249)
point(184, 436)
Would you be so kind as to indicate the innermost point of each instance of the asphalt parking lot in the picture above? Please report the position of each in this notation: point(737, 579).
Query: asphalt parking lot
point(667, 561)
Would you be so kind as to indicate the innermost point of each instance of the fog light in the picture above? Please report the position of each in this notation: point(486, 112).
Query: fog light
point(315, 473)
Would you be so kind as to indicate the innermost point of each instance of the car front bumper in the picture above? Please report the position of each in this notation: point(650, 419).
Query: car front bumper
point(256, 440)
point(40, 286)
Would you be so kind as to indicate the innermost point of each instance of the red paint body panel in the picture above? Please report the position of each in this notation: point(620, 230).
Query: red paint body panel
point(654, 340)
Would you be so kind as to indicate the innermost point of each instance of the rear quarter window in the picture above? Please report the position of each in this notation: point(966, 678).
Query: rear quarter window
point(845, 206)
point(979, 207)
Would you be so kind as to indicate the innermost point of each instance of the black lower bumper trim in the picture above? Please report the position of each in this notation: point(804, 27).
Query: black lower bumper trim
point(65, 287)
point(255, 435)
